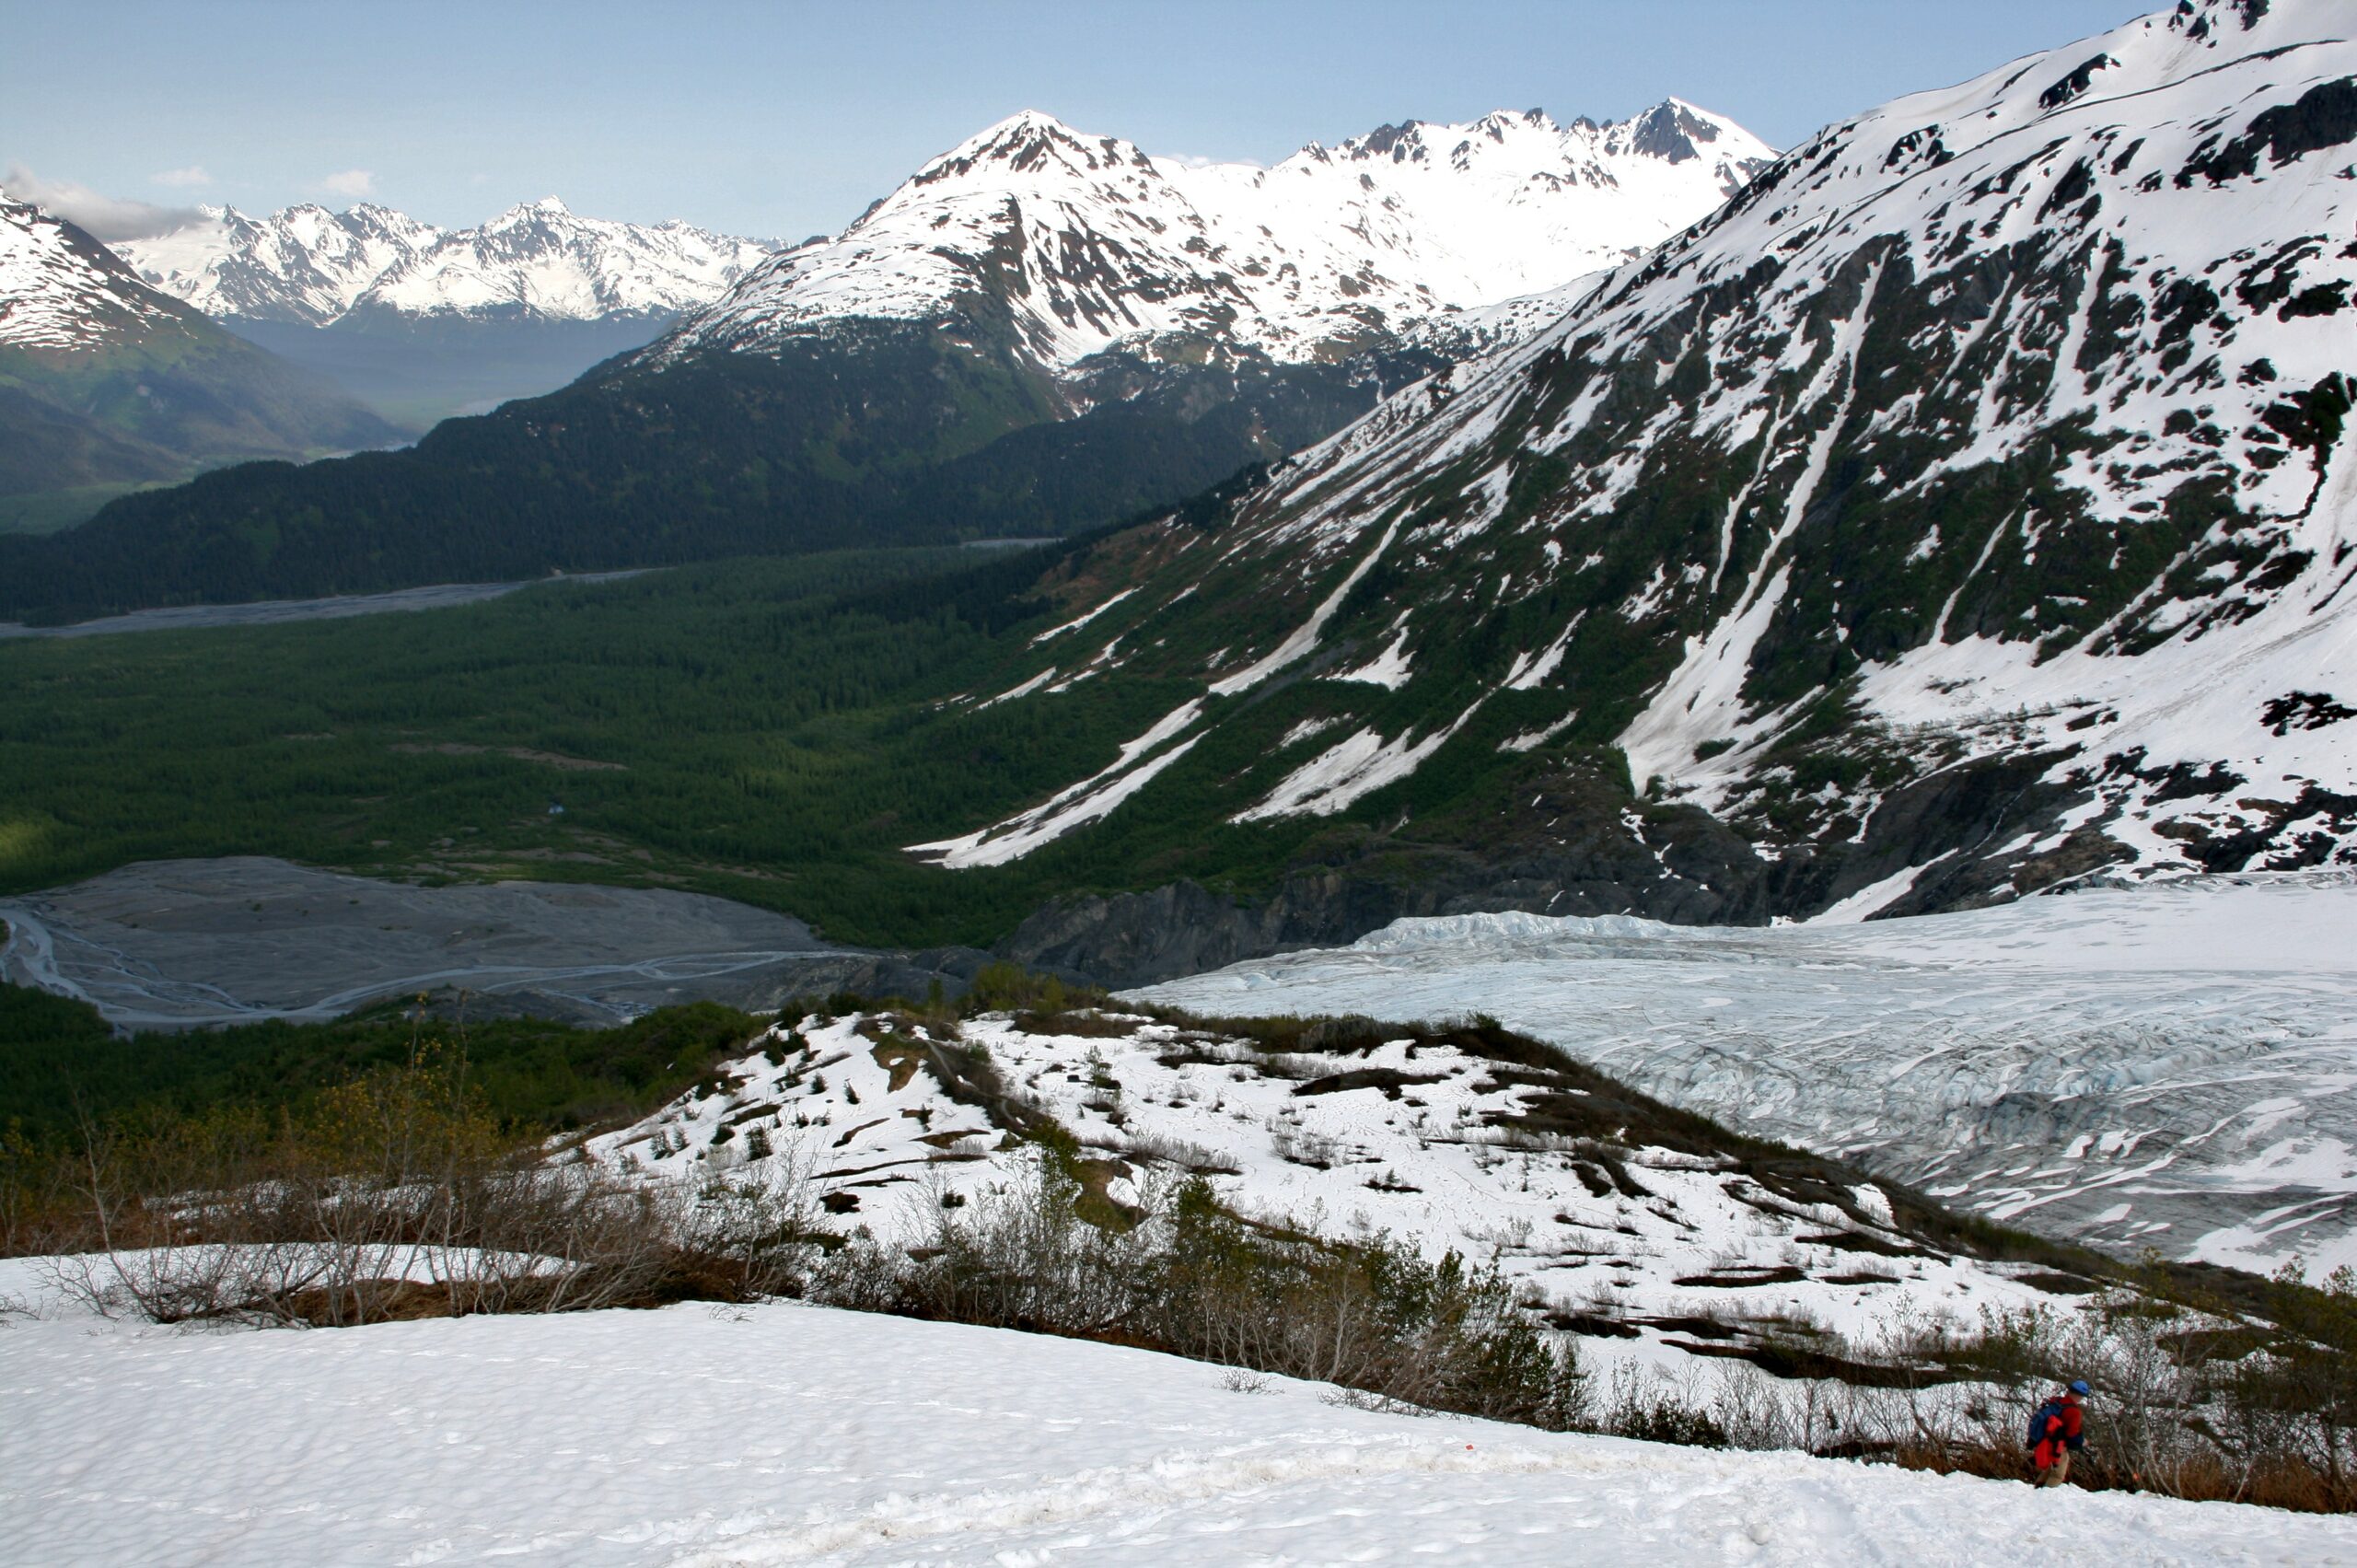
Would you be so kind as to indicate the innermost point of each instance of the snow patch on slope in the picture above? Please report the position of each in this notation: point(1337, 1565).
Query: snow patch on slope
point(1085, 802)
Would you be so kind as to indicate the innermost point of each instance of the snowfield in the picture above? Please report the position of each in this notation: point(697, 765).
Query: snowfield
point(2166, 1065)
point(792, 1435)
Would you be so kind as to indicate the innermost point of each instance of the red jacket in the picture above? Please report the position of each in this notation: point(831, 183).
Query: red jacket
point(2065, 1427)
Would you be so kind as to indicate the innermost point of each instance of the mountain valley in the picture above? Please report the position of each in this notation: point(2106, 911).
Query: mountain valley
point(104, 382)
point(1553, 840)
point(1039, 331)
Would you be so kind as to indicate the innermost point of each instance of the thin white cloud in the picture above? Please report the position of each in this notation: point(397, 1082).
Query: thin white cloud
point(182, 178)
point(350, 182)
point(105, 218)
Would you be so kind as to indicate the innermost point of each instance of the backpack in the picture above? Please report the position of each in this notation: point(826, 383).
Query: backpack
point(2050, 1411)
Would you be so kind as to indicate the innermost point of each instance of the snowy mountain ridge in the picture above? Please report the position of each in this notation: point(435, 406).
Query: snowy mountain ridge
point(1093, 247)
point(62, 291)
point(307, 264)
point(1961, 509)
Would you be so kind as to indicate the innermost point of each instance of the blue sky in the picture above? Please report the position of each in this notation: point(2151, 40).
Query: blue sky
point(786, 118)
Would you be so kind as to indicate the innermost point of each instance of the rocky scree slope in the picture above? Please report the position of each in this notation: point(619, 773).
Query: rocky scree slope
point(1038, 332)
point(1963, 509)
point(102, 380)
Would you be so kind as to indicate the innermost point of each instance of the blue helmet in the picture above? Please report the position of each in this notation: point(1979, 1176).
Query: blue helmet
point(2079, 1385)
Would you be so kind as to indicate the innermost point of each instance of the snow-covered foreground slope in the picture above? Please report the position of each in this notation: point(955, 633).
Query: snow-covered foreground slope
point(2168, 1065)
point(786, 1434)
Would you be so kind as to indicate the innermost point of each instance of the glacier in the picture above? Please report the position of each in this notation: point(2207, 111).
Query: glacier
point(2164, 1065)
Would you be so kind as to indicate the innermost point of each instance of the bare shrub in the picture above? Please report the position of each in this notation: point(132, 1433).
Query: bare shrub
point(2188, 1400)
point(397, 1194)
point(1191, 1278)
point(1157, 1148)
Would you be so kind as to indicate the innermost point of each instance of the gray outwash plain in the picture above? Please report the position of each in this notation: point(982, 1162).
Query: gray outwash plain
point(183, 944)
point(276, 611)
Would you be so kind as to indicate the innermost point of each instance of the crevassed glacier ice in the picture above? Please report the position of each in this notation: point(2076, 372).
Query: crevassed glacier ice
point(2167, 1065)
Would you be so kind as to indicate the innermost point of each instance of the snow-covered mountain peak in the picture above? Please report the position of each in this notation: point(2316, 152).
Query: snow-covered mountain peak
point(1030, 143)
point(538, 258)
point(1092, 245)
point(548, 214)
point(1673, 131)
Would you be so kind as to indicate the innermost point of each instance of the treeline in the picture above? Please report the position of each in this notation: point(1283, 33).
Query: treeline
point(892, 436)
point(64, 1068)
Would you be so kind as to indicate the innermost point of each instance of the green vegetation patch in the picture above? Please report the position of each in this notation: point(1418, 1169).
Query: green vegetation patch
point(59, 1063)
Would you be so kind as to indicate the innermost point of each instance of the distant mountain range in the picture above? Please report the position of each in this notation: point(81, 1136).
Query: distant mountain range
point(312, 266)
point(105, 382)
point(1038, 331)
point(1411, 232)
point(424, 321)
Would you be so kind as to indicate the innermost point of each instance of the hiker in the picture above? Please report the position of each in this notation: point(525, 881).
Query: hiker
point(2056, 1433)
